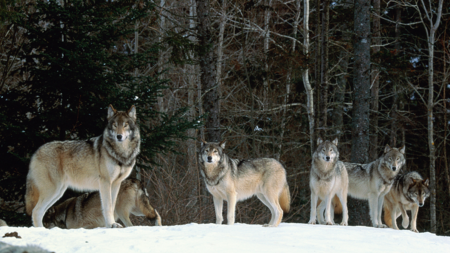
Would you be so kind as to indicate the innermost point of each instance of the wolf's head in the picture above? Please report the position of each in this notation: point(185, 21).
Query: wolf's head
point(394, 158)
point(418, 191)
point(53, 218)
point(211, 152)
point(327, 151)
point(121, 125)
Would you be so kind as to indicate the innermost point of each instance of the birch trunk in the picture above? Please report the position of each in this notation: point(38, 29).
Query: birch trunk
point(305, 75)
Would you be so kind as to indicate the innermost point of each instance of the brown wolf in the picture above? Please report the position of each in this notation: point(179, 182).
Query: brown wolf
point(408, 192)
point(233, 180)
point(85, 211)
point(100, 163)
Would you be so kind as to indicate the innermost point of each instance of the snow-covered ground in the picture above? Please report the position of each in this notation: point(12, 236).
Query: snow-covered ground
point(211, 238)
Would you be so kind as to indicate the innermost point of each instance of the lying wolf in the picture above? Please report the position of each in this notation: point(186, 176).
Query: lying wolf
point(408, 192)
point(233, 180)
point(85, 211)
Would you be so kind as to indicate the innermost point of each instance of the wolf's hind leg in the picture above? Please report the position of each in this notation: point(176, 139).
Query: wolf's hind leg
point(218, 206)
point(46, 200)
point(276, 208)
point(266, 203)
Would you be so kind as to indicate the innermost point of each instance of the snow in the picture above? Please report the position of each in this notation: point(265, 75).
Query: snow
point(199, 238)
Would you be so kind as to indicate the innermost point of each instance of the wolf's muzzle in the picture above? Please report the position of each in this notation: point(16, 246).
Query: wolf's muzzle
point(119, 137)
point(394, 168)
point(209, 159)
point(420, 204)
point(327, 158)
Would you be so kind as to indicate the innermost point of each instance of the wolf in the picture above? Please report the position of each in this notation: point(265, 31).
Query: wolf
point(408, 192)
point(236, 180)
point(328, 178)
point(3, 223)
point(8, 248)
point(372, 181)
point(100, 163)
point(85, 211)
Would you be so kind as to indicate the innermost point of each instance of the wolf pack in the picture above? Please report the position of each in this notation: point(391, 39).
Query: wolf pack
point(103, 164)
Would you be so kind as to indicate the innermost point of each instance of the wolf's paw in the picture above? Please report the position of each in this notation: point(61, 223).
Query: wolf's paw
point(382, 226)
point(415, 230)
point(312, 222)
point(268, 226)
point(405, 223)
point(116, 225)
point(329, 223)
point(344, 224)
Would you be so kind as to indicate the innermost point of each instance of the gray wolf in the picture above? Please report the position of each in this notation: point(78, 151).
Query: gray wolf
point(233, 180)
point(328, 178)
point(8, 248)
point(408, 192)
point(85, 211)
point(372, 181)
point(3, 223)
point(100, 163)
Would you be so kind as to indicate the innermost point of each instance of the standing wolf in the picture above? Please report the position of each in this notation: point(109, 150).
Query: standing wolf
point(408, 192)
point(233, 180)
point(100, 163)
point(328, 178)
point(374, 180)
point(85, 211)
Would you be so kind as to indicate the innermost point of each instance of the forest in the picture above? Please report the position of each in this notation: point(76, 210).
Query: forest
point(268, 76)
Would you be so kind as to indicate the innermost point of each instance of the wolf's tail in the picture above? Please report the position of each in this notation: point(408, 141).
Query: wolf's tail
point(387, 216)
point(285, 199)
point(31, 196)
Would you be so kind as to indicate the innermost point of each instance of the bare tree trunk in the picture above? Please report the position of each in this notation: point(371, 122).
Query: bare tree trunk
point(162, 27)
point(223, 21)
point(192, 79)
point(267, 14)
point(361, 101)
point(323, 101)
point(211, 103)
point(431, 40)
point(305, 75)
point(373, 149)
point(317, 69)
point(288, 80)
point(361, 83)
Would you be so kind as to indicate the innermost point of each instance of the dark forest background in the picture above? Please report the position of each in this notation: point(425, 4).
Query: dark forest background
point(268, 76)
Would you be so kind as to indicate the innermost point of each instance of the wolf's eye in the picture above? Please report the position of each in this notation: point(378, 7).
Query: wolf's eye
point(323, 150)
point(331, 149)
point(389, 159)
point(415, 193)
point(125, 124)
point(215, 151)
point(398, 158)
point(114, 125)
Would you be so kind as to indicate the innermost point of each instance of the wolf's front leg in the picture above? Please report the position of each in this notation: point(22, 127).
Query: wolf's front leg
point(379, 210)
point(373, 206)
point(218, 205)
point(414, 212)
point(231, 207)
point(394, 217)
point(312, 217)
point(405, 218)
point(107, 207)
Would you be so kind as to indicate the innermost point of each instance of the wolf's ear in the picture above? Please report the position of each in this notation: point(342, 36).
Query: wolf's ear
point(132, 112)
point(222, 144)
point(111, 111)
point(426, 183)
point(335, 141)
point(203, 142)
point(413, 180)
point(387, 148)
point(402, 149)
point(319, 141)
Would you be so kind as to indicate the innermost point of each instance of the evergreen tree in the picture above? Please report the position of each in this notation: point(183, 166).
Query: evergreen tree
point(76, 65)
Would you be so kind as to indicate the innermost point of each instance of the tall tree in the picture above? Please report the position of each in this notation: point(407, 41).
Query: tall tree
point(361, 82)
point(211, 103)
point(373, 149)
